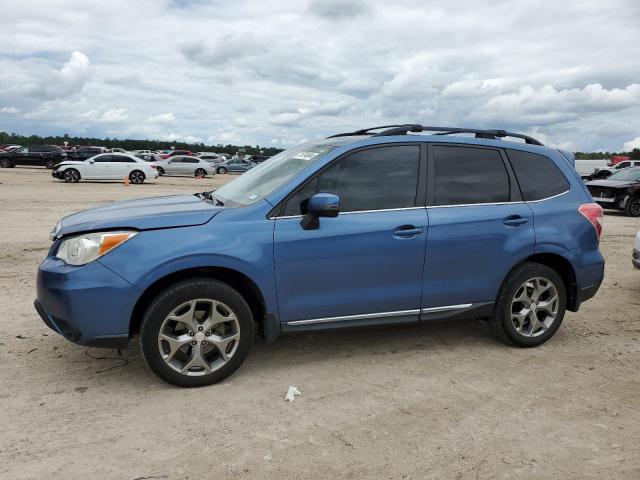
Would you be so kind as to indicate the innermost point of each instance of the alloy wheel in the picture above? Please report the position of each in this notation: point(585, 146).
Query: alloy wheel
point(199, 337)
point(534, 307)
point(71, 176)
point(634, 207)
point(4, 163)
point(136, 177)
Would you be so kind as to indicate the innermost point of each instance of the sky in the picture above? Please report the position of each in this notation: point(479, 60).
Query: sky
point(279, 73)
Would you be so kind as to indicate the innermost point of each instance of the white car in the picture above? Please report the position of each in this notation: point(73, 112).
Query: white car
point(106, 166)
point(635, 256)
point(185, 165)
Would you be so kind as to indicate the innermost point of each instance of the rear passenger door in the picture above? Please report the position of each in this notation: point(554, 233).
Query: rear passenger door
point(479, 228)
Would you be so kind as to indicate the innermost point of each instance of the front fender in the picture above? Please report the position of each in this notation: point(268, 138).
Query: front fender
point(246, 247)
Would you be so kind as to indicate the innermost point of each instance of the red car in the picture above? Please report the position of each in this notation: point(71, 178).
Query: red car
point(177, 152)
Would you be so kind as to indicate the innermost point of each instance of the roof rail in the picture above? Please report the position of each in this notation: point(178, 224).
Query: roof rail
point(414, 128)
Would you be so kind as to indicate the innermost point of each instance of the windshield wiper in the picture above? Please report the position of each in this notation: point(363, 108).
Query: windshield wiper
point(208, 197)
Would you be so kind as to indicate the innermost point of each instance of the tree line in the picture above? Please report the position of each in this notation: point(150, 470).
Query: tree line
point(131, 144)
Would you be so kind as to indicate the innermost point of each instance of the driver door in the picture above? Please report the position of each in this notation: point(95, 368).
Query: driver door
point(365, 265)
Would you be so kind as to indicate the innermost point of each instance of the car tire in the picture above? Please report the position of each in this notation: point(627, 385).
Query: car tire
point(160, 171)
point(6, 163)
point(137, 177)
point(49, 164)
point(526, 314)
point(222, 170)
point(196, 357)
point(632, 207)
point(201, 172)
point(71, 175)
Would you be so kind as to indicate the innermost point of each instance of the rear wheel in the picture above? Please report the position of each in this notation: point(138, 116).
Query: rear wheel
point(632, 208)
point(222, 170)
point(530, 306)
point(160, 171)
point(136, 177)
point(200, 172)
point(71, 175)
point(196, 332)
point(6, 163)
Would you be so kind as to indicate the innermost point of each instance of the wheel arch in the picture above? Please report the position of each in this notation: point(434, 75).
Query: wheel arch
point(238, 280)
point(562, 267)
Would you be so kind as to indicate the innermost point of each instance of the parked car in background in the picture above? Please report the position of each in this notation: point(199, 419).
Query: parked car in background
point(117, 150)
point(8, 147)
point(620, 191)
point(173, 153)
point(36, 155)
point(586, 167)
point(83, 153)
point(147, 157)
point(259, 158)
point(106, 166)
point(635, 256)
point(138, 152)
point(605, 172)
point(185, 165)
point(344, 232)
point(235, 165)
point(213, 159)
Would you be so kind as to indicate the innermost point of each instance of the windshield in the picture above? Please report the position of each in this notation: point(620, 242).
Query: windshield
point(626, 174)
point(260, 181)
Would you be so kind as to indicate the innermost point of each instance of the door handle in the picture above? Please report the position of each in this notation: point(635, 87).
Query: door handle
point(405, 231)
point(514, 221)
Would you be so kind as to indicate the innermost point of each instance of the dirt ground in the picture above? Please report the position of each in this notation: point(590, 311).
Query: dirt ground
point(442, 400)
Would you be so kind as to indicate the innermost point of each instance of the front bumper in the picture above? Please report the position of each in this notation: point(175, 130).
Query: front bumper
point(57, 174)
point(88, 305)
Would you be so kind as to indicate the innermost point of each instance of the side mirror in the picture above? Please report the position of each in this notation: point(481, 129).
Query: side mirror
point(320, 205)
point(92, 161)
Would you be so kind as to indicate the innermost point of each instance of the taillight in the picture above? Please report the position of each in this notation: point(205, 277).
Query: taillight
point(593, 213)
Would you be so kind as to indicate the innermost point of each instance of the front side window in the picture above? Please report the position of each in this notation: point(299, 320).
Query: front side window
point(466, 175)
point(373, 179)
point(103, 159)
point(537, 175)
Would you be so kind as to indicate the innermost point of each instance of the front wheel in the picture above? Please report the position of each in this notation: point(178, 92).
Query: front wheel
point(200, 172)
point(160, 171)
point(530, 306)
point(5, 163)
point(197, 332)
point(632, 208)
point(136, 177)
point(222, 170)
point(71, 175)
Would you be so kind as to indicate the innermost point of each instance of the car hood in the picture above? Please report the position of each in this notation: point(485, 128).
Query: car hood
point(611, 183)
point(142, 214)
point(71, 162)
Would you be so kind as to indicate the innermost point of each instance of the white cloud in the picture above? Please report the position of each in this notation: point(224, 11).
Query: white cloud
point(165, 118)
point(115, 115)
point(630, 145)
point(10, 110)
point(276, 72)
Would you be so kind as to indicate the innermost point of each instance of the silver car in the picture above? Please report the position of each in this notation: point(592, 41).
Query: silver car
point(184, 165)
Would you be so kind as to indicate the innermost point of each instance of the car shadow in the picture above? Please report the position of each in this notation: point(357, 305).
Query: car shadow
point(431, 338)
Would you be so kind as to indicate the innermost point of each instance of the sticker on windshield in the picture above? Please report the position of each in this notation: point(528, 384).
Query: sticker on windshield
point(306, 155)
point(253, 196)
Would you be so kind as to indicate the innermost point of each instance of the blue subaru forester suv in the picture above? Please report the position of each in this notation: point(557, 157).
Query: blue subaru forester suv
point(389, 225)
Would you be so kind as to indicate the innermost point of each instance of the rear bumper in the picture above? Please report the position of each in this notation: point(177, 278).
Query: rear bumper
point(88, 305)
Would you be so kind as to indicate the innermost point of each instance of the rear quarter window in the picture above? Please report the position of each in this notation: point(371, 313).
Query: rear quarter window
point(537, 175)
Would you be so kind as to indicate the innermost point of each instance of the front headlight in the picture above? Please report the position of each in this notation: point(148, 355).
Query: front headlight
point(85, 248)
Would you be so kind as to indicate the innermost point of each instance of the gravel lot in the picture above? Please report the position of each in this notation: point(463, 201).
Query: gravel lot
point(443, 400)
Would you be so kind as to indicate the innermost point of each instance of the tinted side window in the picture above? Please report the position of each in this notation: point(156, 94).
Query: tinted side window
point(104, 159)
point(373, 179)
point(537, 175)
point(465, 175)
point(190, 160)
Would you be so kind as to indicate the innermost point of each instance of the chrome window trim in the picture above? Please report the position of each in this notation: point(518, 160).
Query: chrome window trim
point(549, 198)
point(475, 204)
point(446, 308)
point(362, 316)
point(358, 211)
